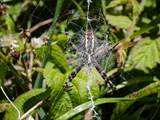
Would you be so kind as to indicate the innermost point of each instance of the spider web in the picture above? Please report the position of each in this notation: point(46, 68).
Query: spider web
point(75, 47)
point(79, 27)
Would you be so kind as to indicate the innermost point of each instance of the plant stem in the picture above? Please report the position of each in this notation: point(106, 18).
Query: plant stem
point(30, 110)
point(19, 77)
point(39, 81)
point(79, 8)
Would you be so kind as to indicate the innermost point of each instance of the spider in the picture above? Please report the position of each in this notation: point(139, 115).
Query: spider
point(90, 51)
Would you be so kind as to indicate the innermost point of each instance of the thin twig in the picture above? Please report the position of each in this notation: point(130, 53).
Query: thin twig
point(29, 71)
point(26, 3)
point(30, 110)
point(37, 26)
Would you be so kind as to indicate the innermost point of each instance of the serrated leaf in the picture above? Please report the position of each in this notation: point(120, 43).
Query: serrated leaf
point(60, 102)
point(48, 71)
point(146, 91)
point(58, 58)
point(54, 80)
point(87, 78)
point(23, 103)
point(78, 93)
point(145, 55)
point(40, 52)
point(119, 21)
point(62, 105)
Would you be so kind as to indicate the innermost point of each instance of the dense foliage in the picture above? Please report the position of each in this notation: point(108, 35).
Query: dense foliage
point(36, 59)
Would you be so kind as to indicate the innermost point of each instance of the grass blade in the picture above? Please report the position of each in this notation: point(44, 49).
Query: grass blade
point(88, 105)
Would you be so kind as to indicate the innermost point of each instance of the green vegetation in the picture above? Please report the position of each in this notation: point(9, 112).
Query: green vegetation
point(36, 59)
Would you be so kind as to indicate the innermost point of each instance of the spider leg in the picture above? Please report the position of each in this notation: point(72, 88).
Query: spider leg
point(105, 77)
point(79, 52)
point(102, 50)
point(72, 76)
point(73, 45)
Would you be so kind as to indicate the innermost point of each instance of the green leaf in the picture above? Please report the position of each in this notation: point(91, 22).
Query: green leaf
point(145, 55)
point(87, 78)
point(51, 31)
point(119, 21)
point(60, 102)
point(146, 28)
point(15, 10)
point(146, 91)
point(88, 105)
point(78, 93)
point(10, 24)
point(115, 3)
point(25, 102)
point(11, 17)
point(58, 58)
point(54, 80)
point(48, 71)
point(63, 104)
point(61, 38)
point(137, 7)
point(40, 52)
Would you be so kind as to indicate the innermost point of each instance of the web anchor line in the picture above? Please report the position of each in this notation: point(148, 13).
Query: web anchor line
point(91, 97)
point(95, 114)
point(88, 10)
point(90, 50)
